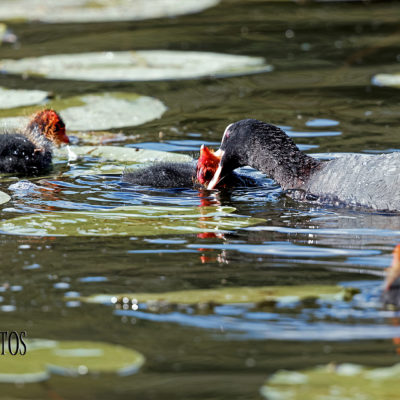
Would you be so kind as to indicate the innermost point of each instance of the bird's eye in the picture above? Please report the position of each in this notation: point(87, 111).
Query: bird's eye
point(227, 132)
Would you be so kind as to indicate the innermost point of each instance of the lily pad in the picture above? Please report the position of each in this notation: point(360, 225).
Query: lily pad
point(392, 80)
point(44, 357)
point(4, 197)
point(115, 159)
point(146, 65)
point(345, 381)
point(56, 11)
point(10, 98)
point(95, 111)
point(129, 221)
point(232, 295)
point(122, 154)
point(103, 137)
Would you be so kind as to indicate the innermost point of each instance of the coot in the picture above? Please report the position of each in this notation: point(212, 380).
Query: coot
point(357, 180)
point(184, 175)
point(29, 152)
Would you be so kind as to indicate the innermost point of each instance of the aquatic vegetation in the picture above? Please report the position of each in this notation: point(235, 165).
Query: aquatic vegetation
point(93, 111)
point(143, 65)
point(391, 80)
point(4, 197)
point(123, 154)
point(129, 221)
point(334, 382)
point(231, 295)
point(10, 98)
point(42, 358)
point(56, 11)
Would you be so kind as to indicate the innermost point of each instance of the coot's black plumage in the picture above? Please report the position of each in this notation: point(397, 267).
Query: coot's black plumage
point(17, 154)
point(177, 175)
point(162, 175)
point(29, 152)
point(362, 180)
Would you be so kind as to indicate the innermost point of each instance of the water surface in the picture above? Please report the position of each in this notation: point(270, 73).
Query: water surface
point(324, 55)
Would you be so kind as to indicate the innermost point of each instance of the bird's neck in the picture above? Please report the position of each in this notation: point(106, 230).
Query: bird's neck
point(40, 141)
point(284, 163)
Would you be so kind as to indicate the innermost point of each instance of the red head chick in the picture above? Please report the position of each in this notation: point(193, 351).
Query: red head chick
point(49, 123)
point(207, 165)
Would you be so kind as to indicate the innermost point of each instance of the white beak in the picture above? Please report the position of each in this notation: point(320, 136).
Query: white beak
point(217, 176)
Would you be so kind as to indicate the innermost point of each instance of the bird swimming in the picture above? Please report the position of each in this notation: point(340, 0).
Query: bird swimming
point(371, 181)
point(29, 151)
point(183, 174)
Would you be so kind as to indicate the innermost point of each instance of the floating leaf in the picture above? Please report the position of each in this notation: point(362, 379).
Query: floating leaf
point(4, 197)
point(107, 111)
point(334, 382)
point(392, 80)
point(146, 65)
point(233, 295)
point(123, 154)
point(114, 159)
point(102, 137)
point(43, 357)
point(55, 11)
point(10, 98)
point(95, 111)
point(127, 221)
point(101, 168)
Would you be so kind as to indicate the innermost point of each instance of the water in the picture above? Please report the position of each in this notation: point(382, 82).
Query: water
point(324, 55)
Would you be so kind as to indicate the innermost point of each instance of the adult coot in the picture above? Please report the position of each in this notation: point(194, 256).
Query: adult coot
point(358, 180)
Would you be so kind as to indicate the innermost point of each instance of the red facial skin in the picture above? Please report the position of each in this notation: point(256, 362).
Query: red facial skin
point(50, 124)
point(206, 165)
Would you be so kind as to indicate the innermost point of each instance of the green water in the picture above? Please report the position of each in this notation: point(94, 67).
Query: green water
point(324, 55)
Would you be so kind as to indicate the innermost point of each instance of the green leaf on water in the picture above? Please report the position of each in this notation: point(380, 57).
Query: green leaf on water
point(145, 65)
point(73, 358)
point(4, 197)
point(334, 382)
point(101, 168)
point(232, 295)
point(10, 98)
point(103, 137)
point(391, 80)
point(56, 11)
point(129, 221)
point(123, 154)
point(93, 111)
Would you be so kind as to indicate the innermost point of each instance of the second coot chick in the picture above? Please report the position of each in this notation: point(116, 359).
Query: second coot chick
point(29, 152)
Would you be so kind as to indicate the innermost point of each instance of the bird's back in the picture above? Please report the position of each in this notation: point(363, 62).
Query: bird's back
point(371, 181)
point(18, 155)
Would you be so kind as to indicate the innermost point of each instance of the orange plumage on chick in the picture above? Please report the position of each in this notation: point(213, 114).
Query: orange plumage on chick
point(207, 164)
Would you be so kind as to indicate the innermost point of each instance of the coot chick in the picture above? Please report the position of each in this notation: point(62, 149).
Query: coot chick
point(183, 175)
point(29, 152)
point(162, 175)
point(356, 180)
